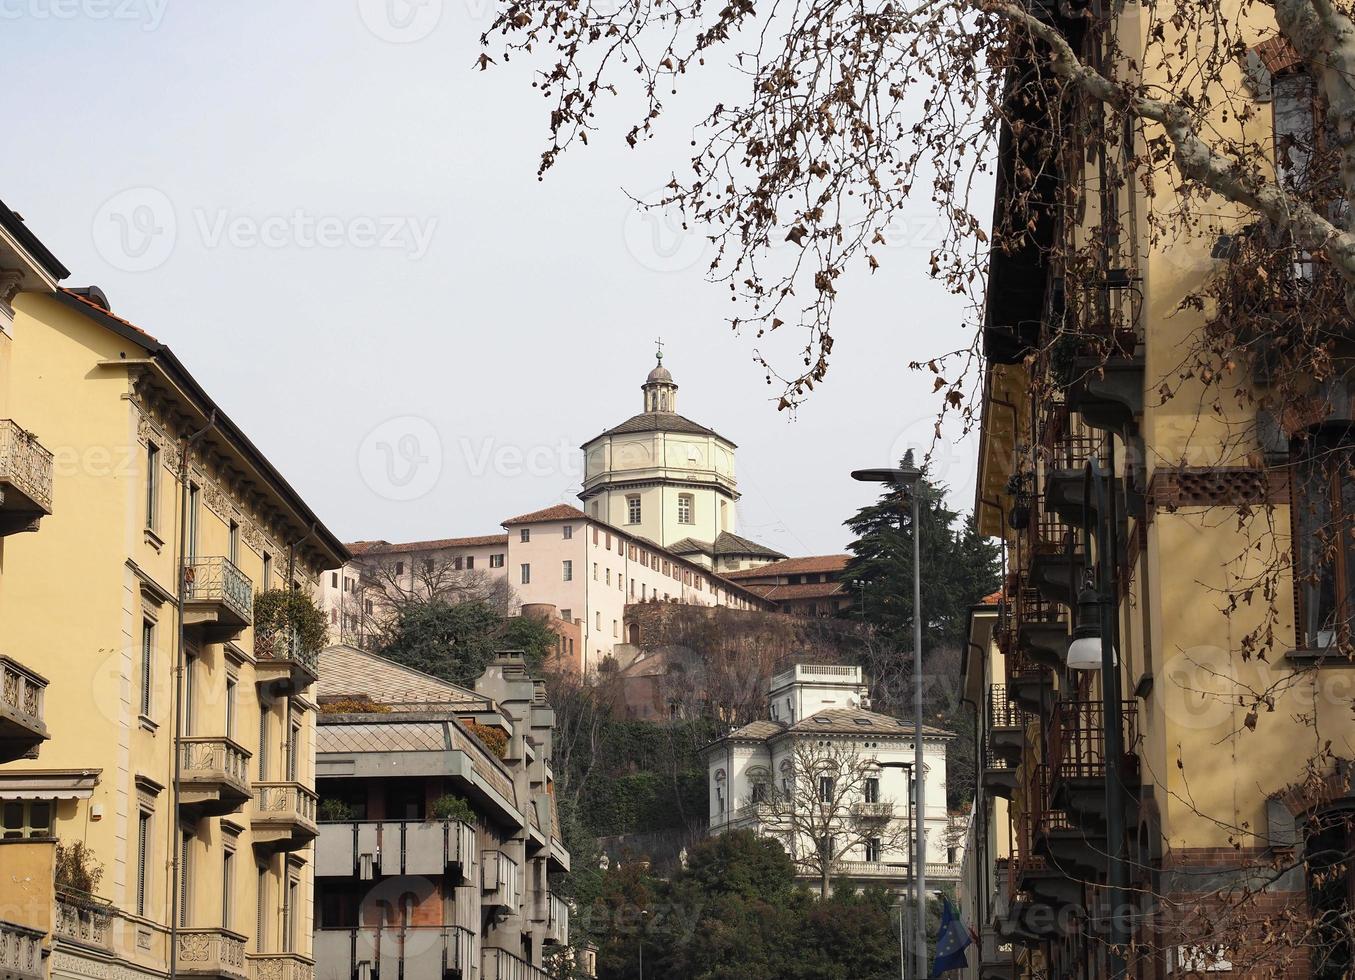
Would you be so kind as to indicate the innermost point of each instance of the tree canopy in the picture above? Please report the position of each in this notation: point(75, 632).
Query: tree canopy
point(457, 641)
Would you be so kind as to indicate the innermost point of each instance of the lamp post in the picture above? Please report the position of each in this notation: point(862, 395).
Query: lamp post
point(1093, 648)
point(906, 478)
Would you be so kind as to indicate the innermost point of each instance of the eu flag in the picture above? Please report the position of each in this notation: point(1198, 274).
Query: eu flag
point(951, 941)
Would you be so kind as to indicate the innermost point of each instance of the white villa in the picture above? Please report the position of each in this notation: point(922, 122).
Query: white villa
point(829, 704)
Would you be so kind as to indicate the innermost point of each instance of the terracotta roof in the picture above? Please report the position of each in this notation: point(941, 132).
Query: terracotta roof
point(992, 599)
point(794, 566)
point(857, 720)
point(660, 422)
point(348, 671)
point(806, 590)
point(558, 512)
point(439, 544)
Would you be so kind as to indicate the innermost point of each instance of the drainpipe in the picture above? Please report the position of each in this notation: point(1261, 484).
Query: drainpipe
point(175, 846)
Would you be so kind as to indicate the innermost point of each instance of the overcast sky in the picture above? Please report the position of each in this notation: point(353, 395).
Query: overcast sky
point(335, 221)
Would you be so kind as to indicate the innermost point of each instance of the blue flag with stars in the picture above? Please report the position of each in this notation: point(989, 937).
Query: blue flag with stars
point(951, 941)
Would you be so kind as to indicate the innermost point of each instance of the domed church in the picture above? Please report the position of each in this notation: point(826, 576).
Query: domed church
point(666, 478)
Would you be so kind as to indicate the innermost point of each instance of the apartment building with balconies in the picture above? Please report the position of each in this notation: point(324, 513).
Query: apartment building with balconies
point(165, 826)
point(1163, 683)
point(27, 850)
point(439, 833)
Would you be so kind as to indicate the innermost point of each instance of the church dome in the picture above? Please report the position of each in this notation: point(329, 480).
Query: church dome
point(660, 373)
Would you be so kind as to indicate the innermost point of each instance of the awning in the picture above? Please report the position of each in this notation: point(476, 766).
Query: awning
point(49, 784)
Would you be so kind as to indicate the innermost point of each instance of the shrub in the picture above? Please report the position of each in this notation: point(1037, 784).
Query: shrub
point(356, 704)
point(335, 811)
point(280, 612)
point(494, 739)
point(77, 869)
point(449, 807)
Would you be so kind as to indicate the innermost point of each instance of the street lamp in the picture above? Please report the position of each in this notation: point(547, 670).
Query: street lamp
point(906, 479)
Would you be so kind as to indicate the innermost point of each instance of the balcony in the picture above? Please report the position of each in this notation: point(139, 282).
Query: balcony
point(283, 663)
point(1040, 630)
point(871, 869)
point(500, 881)
point(211, 953)
point(1056, 560)
point(218, 598)
point(214, 777)
point(22, 728)
point(369, 849)
point(394, 953)
point(557, 920)
point(283, 816)
point(83, 920)
point(499, 964)
point(280, 966)
point(1076, 750)
point(873, 810)
point(21, 956)
point(1029, 684)
point(25, 480)
point(1007, 723)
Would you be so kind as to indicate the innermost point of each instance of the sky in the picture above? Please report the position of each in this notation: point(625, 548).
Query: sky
point(334, 219)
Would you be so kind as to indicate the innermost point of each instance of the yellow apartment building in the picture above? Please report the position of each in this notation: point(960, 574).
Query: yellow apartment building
point(175, 792)
point(1214, 532)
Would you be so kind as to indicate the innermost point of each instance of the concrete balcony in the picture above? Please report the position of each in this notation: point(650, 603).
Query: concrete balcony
point(500, 881)
point(499, 964)
point(873, 811)
point(83, 920)
point(283, 816)
point(394, 953)
point(211, 953)
point(25, 479)
point(283, 664)
point(214, 775)
point(22, 728)
point(218, 598)
point(280, 966)
point(21, 955)
point(367, 849)
point(557, 920)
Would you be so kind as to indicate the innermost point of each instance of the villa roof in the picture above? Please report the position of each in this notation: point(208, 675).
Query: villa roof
point(855, 721)
point(805, 590)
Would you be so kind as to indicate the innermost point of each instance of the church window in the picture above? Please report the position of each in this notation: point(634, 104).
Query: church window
point(609, 576)
point(595, 530)
point(567, 570)
point(568, 531)
point(685, 508)
point(724, 515)
point(525, 535)
point(595, 571)
point(526, 574)
point(633, 508)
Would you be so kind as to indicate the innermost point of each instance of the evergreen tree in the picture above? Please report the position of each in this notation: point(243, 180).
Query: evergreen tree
point(959, 567)
point(456, 641)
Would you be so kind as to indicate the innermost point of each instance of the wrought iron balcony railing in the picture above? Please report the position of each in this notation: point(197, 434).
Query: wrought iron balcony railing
point(1076, 743)
point(217, 580)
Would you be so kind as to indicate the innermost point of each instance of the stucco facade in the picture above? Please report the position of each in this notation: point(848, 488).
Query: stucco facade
point(180, 746)
point(811, 704)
